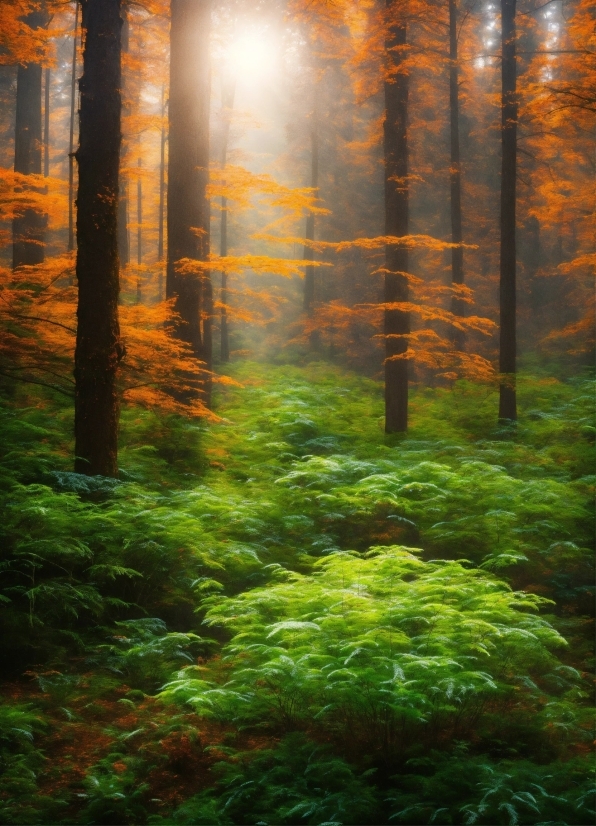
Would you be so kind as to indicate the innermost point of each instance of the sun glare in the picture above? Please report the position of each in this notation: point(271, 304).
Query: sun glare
point(253, 53)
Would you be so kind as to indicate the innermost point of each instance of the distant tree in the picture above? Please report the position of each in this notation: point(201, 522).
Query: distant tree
point(507, 292)
point(123, 237)
point(227, 103)
point(71, 137)
point(28, 228)
point(309, 271)
point(396, 320)
point(188, 175)
point(98, 347)
point(457, 253)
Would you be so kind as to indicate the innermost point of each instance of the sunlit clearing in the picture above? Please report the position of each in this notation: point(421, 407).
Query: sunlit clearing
point(253, 54)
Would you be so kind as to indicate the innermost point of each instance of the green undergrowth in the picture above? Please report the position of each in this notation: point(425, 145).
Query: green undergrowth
point(222, 598)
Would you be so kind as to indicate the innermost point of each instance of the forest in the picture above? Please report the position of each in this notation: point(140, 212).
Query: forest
point(297, 457)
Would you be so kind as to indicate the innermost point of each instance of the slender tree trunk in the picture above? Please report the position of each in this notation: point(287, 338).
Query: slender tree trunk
point(123, 233)
point(308, 255)
point(46, 124)
point(457, 253)
point(507, 351)
point(98, 347)
point(225, 335)
point(162, 191)
point(71, 159)
point(396, 321)
point(227, 104)
point(188, 175)
point(28, 228)
point(139, 233)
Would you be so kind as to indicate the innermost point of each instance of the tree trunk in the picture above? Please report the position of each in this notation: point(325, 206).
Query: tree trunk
point(71, 159)
point(46, 124)
point(457, 253)
point(162, 191)
point(507, 351)
point(309, 272)
point(396, 321)
point(123, 236)
point(139, 233)
point(188, 175)
point(98, 348)
point(28, 229)
point(227, 105)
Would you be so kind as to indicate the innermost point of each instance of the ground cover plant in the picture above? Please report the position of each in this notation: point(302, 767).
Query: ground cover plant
point(288, 617)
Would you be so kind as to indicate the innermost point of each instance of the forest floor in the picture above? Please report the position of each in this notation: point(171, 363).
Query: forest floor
point(242, 522)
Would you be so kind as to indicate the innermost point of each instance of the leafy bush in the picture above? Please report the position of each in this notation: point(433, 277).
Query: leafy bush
point(386, 654)
point(20, 764)
point(469, 790)
point(144, 654)
point(296, 782)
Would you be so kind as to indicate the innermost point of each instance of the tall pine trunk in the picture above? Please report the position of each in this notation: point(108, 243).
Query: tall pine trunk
point(123, 235)
point(139, 232)
point(227, 105)
point(98, 347)
point(188, 175)
point(507, 343)
point(46, 124)
point(28, 228)
point(309, 272)
point(396, 321)
point(71, 159)
point(162, 192)
point(457, 253)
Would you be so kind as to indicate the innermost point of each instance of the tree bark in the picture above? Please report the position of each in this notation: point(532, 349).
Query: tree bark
point(457, 253)
point(227, 104)
point(28, 228)
point(507, 344)
point(188, 175)
point(123, 234)
point(98, 347)
point(396, 321)
point(162, 192)
point(309, 272)
point(71, 159)
point(139, 232)
point(46, 124)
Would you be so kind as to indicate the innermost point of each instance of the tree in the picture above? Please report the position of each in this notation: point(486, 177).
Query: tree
point(123, 237)
point(396, 320)
point(309, 272)
point(98, 347)
point(71, 159)
point(457, 253)
point(507, 291)
point(28, 228)
point(188, 174)
point(227, 103)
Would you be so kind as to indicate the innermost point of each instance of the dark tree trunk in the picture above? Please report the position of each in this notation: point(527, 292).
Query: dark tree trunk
point(188, 175)
point(123, 236)
point(396, 321)
point(225, 333)
point(98, 348)
point(139, 233)
point(46, 124)
point(309, 272)
point(507, 351)
point(71, 159)
point(457, 253)
point(28, 229)
point(162, 192)
point(227, 105)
